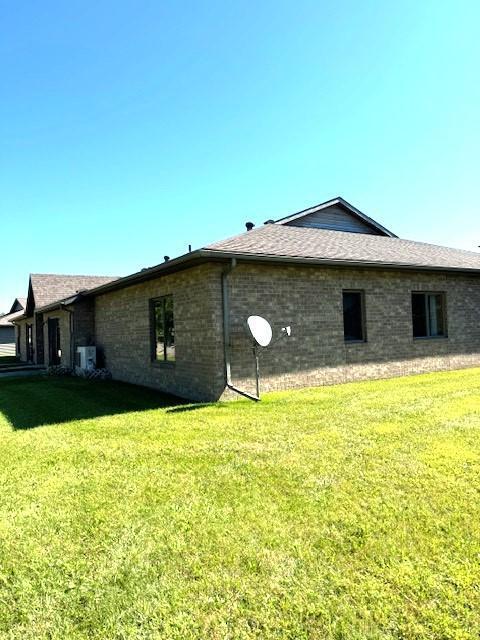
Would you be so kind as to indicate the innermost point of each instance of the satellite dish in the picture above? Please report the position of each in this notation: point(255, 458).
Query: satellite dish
point(260, 329)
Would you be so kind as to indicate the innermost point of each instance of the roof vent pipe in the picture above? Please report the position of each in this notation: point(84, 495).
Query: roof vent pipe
point(249, 226)
point(166, 258)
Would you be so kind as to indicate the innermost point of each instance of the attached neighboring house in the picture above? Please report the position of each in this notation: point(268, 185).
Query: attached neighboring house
point(49, 328)
point(7, 328)
point(361, 302)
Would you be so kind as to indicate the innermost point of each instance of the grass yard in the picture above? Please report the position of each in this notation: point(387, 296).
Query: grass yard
point(345, 512)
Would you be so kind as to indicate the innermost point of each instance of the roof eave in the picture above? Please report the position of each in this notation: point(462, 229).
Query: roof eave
point(184, 261)
point(250, 257)
point(58, 304)
point(201, 256)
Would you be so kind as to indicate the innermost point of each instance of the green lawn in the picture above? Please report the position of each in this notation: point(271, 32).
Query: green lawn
point(345, 512)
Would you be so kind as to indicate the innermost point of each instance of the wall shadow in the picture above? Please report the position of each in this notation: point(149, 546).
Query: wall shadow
point(39, 401)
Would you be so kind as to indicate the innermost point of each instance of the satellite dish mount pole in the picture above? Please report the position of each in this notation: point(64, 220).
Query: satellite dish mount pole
point(257, 369)
point(261, 332)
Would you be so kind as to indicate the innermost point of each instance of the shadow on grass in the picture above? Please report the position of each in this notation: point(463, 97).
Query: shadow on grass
point(183, 408)
point(37, 401)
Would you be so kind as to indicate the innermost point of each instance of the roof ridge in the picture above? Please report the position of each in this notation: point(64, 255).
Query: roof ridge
point(72, 275)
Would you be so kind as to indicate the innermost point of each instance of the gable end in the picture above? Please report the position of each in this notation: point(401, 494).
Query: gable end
point(336, 215)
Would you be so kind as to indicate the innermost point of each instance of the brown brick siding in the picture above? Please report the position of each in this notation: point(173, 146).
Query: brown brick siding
point(310, 299)
point(122, 323)
point(64, 321)
point(21, 327)
point(19, 335)
point(84, 323)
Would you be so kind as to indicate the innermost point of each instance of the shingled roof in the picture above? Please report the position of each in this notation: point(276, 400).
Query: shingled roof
point(343, 247)
point(7, 320)
point(46, 288)
point(311, 243)
point(16, 310)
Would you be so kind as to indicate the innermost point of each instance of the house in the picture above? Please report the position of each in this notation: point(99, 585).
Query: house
point(7, 328)
point(49, 330)
point(362, 303)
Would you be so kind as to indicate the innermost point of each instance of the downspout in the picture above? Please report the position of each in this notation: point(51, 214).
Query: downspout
point(226, 334)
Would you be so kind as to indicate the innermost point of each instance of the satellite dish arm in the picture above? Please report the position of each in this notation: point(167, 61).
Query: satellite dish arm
point(286, 332)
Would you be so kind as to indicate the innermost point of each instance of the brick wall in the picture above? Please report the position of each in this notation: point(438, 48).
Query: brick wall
point(122, 324)
point(84, 323)
point(310, 299)
point(20, 339)
point(64, 323)
point(21, 328)
point(307, 298)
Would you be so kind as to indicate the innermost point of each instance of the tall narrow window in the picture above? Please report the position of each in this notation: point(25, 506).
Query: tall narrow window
point(429, 315)
point(354, 316)
point(163, 330)
point(29, 338)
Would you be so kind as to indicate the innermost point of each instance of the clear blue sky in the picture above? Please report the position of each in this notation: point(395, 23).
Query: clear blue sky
point(131, 129)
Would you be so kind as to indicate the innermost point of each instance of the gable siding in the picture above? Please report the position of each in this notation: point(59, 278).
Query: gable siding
point(7, 341)
point(334, 218)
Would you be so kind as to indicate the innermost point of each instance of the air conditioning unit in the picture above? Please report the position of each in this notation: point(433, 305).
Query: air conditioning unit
point(86, 357)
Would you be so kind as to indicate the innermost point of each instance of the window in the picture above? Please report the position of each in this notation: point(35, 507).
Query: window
point(163, 330)
point(29, 338)
point(354, 316)
point(428, 315)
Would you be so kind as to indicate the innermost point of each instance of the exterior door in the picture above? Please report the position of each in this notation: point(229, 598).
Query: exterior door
point(54, 353)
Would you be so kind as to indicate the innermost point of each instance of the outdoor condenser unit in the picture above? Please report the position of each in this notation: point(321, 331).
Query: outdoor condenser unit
point(86, 357)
